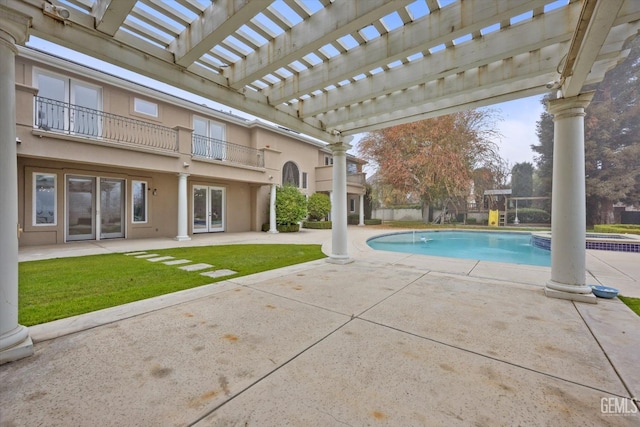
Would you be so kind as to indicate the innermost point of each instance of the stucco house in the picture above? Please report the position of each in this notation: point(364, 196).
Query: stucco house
point(101, 157)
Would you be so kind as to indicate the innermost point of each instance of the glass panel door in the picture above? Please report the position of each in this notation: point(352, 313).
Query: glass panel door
point(216, 207)
point(200, 209)
point(112, 202)
point(208, 209)
point(86, 102)
point(80, 208)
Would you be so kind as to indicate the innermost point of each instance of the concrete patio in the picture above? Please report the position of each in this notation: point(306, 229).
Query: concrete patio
point(390, 339)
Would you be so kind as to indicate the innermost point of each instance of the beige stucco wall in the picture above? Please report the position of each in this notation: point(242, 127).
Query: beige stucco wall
point(247, 188)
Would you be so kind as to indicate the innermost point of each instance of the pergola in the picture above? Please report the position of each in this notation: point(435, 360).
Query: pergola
point(331, 69)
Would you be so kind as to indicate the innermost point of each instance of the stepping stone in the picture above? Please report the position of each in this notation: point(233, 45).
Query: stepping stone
point(146, 256)
point(195, 267)
point(162, 258)
point(135, 253)
point(218, 273)
point(177, 261)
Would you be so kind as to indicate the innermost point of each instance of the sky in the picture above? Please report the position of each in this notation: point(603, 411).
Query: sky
point(517, 126)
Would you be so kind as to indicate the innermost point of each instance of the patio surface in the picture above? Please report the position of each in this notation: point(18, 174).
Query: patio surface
point(390, 339)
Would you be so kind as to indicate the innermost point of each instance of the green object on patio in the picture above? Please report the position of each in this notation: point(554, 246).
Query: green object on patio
point(62, 287)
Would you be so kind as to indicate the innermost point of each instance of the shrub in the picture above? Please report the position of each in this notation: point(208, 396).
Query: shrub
point(353, 219)
point(291, 205)
point(472, 221)
point(373, 221)
point(283, 228)
point(617, 228)
point(319, 206)
point(317, 225)
point(529, 215)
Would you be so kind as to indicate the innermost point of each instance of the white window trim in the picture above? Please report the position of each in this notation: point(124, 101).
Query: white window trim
point(34, 191)
point(144, 102)
point(146, 202)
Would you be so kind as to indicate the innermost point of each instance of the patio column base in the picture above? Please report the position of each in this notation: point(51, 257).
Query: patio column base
point(339, 259)
point(21, 349)
point(182, 238)
point(570, 292)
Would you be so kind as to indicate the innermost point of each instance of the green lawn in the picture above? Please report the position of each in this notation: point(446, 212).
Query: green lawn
point(63, 287)
point(632, 303)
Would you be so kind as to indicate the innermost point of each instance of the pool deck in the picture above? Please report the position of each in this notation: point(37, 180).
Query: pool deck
point(389, 339)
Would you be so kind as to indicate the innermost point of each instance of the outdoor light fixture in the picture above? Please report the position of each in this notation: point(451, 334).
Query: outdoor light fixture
point(56, 12)
point(155, 192)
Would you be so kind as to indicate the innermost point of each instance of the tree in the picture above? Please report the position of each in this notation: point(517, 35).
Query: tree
point(612, 142)
point(291, 205)
point(435, 158)
point(522, 181)
point(319, 206)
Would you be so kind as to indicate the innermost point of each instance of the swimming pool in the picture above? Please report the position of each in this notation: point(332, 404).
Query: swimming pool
point(514, 248)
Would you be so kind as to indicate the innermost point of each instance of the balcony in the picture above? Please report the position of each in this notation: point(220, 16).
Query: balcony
point(71, 119)
point(357, 178)
point(215, 149)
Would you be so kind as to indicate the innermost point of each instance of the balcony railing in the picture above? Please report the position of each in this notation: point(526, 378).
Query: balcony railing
point(356, 178)
point(216, 149)
point(63, 117)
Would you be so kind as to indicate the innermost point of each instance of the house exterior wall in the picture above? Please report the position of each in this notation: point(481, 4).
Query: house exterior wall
point(63, 154)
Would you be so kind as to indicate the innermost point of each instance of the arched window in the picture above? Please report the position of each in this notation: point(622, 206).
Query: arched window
point(291, 174)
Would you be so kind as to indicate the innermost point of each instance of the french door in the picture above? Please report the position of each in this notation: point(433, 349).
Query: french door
point(208, 209)
point(88, 215)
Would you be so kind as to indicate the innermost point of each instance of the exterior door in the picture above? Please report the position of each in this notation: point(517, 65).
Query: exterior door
point(208, 209)
point(112, 205)
point(81, 203)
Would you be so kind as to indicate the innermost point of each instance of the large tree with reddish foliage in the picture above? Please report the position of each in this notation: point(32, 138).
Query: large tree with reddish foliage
point(435, 158)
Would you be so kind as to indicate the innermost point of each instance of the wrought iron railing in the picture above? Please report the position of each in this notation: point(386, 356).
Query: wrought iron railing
point(57, 116)
point(216, 149)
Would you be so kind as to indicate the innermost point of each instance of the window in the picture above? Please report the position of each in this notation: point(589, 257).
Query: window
point(304, 180)
point(209, 139)
point(145, 107)
point(352, 168)
point(44, 199)
point(67, 105)
point(291, 174)
point(139, 201)
point(328, 160)
point(352, 205)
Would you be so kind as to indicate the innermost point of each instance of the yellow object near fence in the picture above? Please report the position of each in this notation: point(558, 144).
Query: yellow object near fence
point(493, 218)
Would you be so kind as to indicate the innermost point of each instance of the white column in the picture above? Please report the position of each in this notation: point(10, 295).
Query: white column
point(568, 203)
point(331, 201)
point(183, 211)
point(15, 342)
point(339, 205)
point(272, 210)
point(361, 222)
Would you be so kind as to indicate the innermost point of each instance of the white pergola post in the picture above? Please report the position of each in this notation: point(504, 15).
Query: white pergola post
point(183, 203)
point(339, 205)
point(15, 342)
point(568, 207)
point(361, 222)
point(272, 210)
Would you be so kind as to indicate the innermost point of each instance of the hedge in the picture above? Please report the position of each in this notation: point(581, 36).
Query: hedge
point(373, 221)
point(283, 228)
point(529, 215)
point(317, 225)
point(617, 228)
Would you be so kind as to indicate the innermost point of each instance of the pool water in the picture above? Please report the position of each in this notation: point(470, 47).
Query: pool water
point(514, 248)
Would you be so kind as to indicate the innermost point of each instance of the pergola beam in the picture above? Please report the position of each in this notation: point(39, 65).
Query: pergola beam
point(325, 26)
point(590, 35)
point(437, 28)
point(216, 23)
point(110, 14)
point(524, 72)
point(543, 31)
